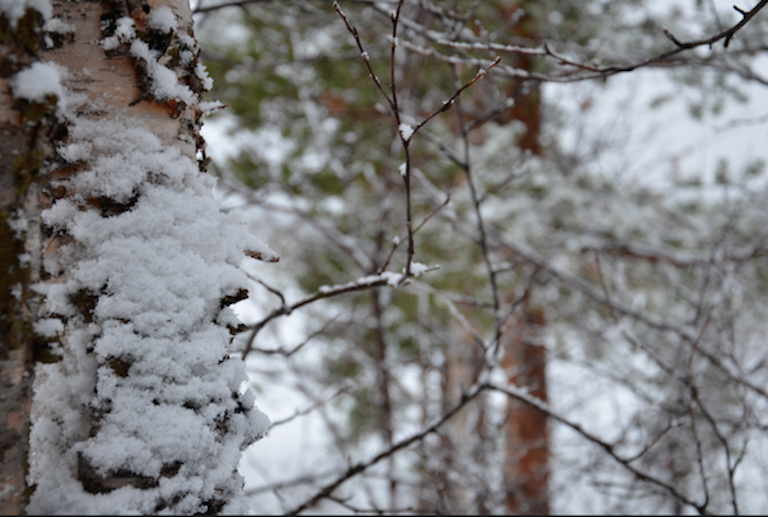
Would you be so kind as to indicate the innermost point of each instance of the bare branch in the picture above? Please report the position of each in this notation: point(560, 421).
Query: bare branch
point(523, 396)
point(242, 3)
point(433, 213)
point(359, 468)
point(725, 35)
point(366, 59)
point(311, 408)
point(371, 282)
point(447, 105)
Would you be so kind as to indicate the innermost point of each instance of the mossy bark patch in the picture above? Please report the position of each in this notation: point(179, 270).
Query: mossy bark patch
point(28, 30)
point(26, 168)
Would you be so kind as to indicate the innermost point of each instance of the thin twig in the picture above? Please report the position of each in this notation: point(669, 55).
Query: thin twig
point(433, 213)
point(447, 105)
point(727, 34)
point(286, 310)
point(268, 288)
point(482, 239)
point(311, 408)
point(243, 3)
point(302, 480)
point(366, 58)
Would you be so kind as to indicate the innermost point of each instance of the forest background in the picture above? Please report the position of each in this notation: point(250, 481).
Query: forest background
point(583, 224)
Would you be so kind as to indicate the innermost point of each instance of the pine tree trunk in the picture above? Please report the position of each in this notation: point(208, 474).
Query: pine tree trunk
point(526, 469)
point(527, 444)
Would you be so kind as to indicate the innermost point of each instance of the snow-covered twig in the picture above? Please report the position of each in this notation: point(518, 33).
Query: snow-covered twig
point(386, 278)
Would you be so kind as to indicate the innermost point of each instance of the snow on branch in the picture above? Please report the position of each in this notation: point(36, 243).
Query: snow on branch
point(386, 278)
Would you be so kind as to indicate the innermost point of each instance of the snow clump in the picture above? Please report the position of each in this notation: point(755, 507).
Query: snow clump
point(38, 82)
point(164, 81)
point(406, 131)
point(162, 19)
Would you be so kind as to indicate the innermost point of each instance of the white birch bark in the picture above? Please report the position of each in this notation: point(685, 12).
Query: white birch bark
point(145, 411)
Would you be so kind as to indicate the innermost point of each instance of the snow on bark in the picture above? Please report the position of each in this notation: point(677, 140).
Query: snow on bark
point(146, 411)
point(37, 82)
point(151, 357)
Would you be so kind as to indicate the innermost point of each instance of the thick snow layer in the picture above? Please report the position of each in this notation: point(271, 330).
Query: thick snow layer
point(146, 402)
point(160, 269)
point(146, 385)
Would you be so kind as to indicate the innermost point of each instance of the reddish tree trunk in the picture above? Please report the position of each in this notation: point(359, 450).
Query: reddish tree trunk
point(527, 455)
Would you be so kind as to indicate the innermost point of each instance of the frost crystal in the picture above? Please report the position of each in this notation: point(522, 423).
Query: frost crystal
point(202, 74)
point(48, 327)
point(58, 26)
point(123, 34)
point(18, 224)
point(210, 107)
point(392, 279)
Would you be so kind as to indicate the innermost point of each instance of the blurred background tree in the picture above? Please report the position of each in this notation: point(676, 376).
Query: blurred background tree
point(584, 318)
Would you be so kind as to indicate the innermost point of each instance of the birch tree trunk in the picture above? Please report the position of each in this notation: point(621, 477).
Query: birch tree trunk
point(20, 255)
point(124, 268)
